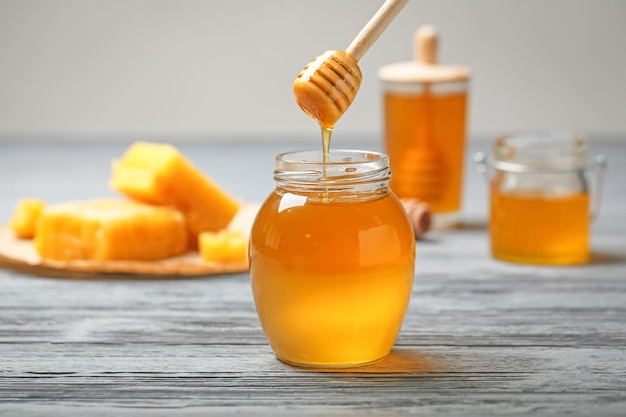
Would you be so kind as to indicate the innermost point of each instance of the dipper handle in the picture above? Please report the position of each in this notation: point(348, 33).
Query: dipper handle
point(374, 28)
point(425, 44)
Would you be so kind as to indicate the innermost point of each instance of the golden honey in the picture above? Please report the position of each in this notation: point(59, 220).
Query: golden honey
point(331, 266)
point(425, 141)
point(531, 227)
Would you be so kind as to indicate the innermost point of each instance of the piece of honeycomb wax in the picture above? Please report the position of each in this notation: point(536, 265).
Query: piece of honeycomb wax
point(25, 216)
point(224, 246)
point(110, 229)
point(159, 174)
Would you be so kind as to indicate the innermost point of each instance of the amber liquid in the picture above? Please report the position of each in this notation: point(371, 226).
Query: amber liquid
point(540, 229)
point(326, 135)
point(425, 141)
point(331, 280)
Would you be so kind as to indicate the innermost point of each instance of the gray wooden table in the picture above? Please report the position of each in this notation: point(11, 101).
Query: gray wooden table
point(481, 337)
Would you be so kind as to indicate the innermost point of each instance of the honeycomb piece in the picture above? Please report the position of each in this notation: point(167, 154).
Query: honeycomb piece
point(110, 229)
point(25, 217)
point(224, 246)
point(160, 174)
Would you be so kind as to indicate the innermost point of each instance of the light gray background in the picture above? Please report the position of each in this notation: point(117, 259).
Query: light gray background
point(159, 69)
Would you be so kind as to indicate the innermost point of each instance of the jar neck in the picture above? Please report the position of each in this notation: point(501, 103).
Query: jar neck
point(540, 151)
point(347, 175)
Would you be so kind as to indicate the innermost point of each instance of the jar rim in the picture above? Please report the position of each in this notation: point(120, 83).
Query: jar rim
point(346, 168)
point(542, 138)
point(540, 150)
point(315, 157)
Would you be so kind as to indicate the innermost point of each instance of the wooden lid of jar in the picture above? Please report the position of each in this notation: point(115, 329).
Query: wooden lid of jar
point(424, 67)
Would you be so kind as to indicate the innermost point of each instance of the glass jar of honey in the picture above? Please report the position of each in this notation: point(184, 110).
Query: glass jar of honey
point(540, 197)
point(332, 256)
point(424, 113)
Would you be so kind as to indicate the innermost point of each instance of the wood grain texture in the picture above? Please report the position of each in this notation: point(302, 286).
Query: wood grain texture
point(481, 337)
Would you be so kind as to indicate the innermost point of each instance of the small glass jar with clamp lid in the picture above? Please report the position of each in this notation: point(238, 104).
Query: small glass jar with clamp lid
point(541, 197)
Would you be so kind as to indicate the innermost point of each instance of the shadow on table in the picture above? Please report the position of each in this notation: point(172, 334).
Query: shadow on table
point(400, 362)
point(600, 258)
point(471, 225)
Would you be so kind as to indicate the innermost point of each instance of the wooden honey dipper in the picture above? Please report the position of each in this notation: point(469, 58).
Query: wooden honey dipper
point(421, 169)
point(327, 86)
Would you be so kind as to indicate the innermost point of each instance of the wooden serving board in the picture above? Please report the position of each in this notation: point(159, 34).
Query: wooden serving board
point(20, 255)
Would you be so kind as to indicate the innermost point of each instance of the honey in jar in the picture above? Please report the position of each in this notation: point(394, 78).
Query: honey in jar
point(421, 169)
point(425, 106)
point(332, 257)
point(540, 203)
point(529, 227)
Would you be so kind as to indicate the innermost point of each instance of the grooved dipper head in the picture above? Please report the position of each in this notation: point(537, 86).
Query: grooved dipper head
point(326, 87)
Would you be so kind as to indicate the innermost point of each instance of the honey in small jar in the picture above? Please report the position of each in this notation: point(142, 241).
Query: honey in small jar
point(528, 227)
point(540, 204)
point(332, 257)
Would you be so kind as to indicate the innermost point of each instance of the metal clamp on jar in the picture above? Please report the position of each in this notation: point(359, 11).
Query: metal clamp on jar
point(541, 198)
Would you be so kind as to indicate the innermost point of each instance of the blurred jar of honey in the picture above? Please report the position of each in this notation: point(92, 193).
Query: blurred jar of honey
point(332, 257)
point(425, 107)
point(541, 204)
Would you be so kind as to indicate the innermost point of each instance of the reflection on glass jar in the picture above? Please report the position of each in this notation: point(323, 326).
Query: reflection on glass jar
point(540, 204)
point(332, 257)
